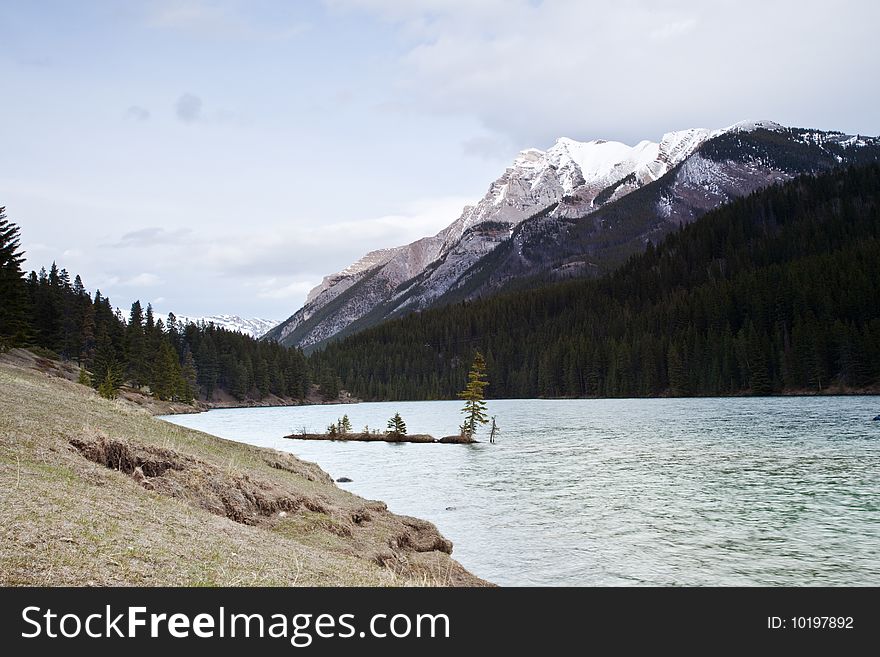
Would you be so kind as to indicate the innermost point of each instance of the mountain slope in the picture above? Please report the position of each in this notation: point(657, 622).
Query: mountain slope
point(775, 292)
point(578, 209)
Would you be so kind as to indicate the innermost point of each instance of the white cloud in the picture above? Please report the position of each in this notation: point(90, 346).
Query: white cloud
point(631, 70)
point(144, 279)
point(220, 19)
point(137, 113)
point(489, 148)
point(153, 236)
point(674, 30)
point(274, 289)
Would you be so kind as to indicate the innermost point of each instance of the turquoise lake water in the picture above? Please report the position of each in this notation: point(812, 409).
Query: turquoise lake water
point(745, 491)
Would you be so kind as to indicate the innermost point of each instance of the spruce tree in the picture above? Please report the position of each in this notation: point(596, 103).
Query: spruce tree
point(329, 384)
point(474, 406)
point(344, 425)
point(166, 377)
point(188, 378)
point(107, 369)
point(208, 366)
point(45, 309)
point(396, 426)
point(137, 365)
point(14, 323)
point(85, 323)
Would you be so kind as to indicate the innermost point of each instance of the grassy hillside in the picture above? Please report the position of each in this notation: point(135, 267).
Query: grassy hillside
point(99, 492)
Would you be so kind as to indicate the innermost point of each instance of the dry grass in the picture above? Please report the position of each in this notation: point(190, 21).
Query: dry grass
point(98, 492)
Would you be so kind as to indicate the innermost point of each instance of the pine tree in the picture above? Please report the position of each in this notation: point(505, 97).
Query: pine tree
point(45, 311)
point(329, 384)
point(136, 347)
point(14, 322)
point(188, 378)
point(208, 366)
point(107, 370)
point(475, 406)
point(166, 378)
point(344, 425)
point(85, 323)
point(396, 427)
point(109, 387)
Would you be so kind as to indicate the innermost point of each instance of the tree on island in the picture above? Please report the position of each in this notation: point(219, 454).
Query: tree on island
point(474, 405)
point(396, 426)
point(344, 425)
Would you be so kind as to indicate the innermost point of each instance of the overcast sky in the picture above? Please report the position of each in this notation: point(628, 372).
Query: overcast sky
point(222, 156)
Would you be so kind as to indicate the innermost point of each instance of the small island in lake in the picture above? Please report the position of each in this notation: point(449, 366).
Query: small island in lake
point(384, 437)
point(396, 433)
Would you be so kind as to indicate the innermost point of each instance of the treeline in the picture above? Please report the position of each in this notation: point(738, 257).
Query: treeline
point(173, 360)
point(776, 292)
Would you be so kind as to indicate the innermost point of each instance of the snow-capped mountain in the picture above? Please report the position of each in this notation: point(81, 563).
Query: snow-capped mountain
point(577, 208)
point(255, 327)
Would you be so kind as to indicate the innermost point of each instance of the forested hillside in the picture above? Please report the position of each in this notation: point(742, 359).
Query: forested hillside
point(776, 292)
point(175, 361)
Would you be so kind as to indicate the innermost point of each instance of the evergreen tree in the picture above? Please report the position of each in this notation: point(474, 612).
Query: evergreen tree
point(188, 377)
point(344, 425)
point(238, 380)
point(14, 320)
point(474, 406)
point(329, 384)
point(109, 387)
point(106, 370)
point(137, 364)
point(396, 426)
point(45, 309)
point(166, 377)
point(208, 366)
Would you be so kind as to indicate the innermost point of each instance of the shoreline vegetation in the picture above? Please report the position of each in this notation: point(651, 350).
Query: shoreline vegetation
point(69, 370)
point(98, 492)
point(27, 358)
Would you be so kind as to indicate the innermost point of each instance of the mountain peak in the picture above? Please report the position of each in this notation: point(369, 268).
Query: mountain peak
point(751, 126)
point(568, 211)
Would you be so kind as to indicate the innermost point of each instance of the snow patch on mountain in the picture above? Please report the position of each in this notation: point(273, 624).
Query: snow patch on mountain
point(256, 327)
point(751, 126)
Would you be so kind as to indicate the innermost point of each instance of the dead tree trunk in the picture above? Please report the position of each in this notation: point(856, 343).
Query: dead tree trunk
point(494, 431)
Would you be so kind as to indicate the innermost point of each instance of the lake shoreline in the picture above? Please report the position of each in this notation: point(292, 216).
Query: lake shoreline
point(157, 407)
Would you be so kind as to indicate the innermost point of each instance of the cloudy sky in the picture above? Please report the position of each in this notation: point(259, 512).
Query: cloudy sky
point(221, 156)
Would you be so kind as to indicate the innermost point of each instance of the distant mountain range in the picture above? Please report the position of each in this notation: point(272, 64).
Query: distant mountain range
point(255, 327)
point(576, 209)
